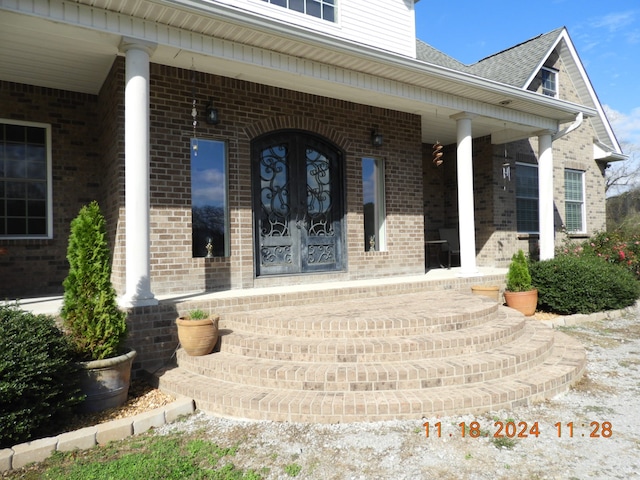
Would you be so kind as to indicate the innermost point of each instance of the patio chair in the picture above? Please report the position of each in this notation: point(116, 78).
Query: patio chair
point(452, 246)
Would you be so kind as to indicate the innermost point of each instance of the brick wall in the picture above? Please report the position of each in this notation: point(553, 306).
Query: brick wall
point(246, 111)
point(35, 267)
point(88, 163)
point(495, 198)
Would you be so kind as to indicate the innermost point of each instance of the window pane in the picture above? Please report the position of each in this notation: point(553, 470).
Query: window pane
point(15, 133)
point(574, 200)
point(573, 217)
point(24, 189)
point(549, 86)
point(36, 135)
point(37, 208)
point(573, 185)
point(209, 198)
point(527, 215)
point(324, 9)
point(373, 204)
point(16, 168)
point(527, 198)
point(313, 8)
point(297, 5)
point(37, 226)
point(328, 13)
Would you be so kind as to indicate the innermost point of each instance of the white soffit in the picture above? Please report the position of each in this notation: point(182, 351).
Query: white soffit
point(224, 47)
point(53, 55)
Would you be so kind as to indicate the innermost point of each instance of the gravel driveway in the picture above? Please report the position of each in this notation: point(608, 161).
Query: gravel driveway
point(592, 432)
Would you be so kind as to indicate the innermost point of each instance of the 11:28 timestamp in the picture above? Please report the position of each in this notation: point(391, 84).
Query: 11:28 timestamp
point(512, 429)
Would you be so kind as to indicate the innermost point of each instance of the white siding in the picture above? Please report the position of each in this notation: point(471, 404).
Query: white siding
point(385, 24)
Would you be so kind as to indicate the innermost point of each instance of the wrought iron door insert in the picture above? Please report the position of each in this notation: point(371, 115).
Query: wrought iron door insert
point(297, 189)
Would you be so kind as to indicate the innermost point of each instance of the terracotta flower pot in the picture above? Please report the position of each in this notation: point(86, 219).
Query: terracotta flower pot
point(491, 291)
point(198, 337)
point(524, 302)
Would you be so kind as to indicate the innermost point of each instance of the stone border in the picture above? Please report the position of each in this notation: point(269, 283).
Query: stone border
point(578, 318)
point(38, 450)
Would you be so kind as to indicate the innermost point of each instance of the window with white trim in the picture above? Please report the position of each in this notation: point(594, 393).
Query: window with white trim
point(25, 180)
point(374, 204)
point(574, 208)
point(324, 9)
point(549, 81)
point(527, 197)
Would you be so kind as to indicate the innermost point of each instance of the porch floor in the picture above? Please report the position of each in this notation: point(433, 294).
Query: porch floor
point(435, 278)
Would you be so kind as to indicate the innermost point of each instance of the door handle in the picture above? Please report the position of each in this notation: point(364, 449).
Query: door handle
point(300, 218)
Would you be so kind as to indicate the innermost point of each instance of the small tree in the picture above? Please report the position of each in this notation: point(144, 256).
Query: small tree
point(518, 276)
point(90, 312)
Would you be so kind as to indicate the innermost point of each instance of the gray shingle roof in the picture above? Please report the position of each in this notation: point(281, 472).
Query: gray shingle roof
point(427, 53)
point(513, 66)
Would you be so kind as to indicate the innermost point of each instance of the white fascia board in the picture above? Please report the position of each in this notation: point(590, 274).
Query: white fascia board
point(323, 40)
point(107, 21)
point(603, 153)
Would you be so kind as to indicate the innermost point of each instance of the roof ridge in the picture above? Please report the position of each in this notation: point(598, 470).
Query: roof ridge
point(537, 37)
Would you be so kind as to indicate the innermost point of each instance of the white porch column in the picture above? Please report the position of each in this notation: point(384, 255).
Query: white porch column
point(466, 216)
point(136, 138)
point(545, 195)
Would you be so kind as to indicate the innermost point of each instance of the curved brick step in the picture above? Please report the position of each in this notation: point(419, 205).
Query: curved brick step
point(412, 314)
point(563, 366)
point(529, 350)
point(504, 328)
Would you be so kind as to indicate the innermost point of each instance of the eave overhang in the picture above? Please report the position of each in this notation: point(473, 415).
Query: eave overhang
point(220, 39)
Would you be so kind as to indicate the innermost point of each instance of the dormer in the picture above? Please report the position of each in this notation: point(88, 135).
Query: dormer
point(383, 24)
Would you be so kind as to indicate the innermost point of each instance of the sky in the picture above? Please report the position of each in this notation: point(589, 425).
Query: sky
point(606, 35)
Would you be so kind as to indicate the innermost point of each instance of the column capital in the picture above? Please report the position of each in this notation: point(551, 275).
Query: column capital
point(463, 116)
point(130, 43)
point(542, 133)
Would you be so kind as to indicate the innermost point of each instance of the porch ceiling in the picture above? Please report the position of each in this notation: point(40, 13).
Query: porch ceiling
point(63, 54)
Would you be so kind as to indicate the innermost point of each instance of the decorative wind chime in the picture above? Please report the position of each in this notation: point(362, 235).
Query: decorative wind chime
point(506, 166)
point(194, 110)
point(506, 169)
point(437, 154)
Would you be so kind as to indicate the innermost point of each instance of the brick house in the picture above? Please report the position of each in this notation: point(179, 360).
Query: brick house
point(238, 144)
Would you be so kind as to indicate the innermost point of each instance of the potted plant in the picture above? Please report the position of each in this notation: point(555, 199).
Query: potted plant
point(198, 332)
point(520, 293)
point(96, 326)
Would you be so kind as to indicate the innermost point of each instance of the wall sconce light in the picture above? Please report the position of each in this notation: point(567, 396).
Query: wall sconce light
point(377, 140)
point(212, 114)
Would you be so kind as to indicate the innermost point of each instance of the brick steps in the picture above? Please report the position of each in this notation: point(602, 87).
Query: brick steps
point(527, 351)
point(387, 357)
point(554, 376)
point(504, 327)
point(412, 314)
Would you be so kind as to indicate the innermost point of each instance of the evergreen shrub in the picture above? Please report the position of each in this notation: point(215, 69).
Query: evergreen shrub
point(568, 284)
point(38, 377)
point(92, 319)
point(518, 276)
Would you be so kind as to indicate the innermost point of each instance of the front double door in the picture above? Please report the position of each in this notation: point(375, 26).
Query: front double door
point(298, 206)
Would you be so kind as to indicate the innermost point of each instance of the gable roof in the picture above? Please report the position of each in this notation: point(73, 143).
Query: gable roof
point(517, 66)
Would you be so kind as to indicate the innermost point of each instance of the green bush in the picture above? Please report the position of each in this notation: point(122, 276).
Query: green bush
point(569, 284)
point(38, 378)
point(518, 276)
point(90, 312)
